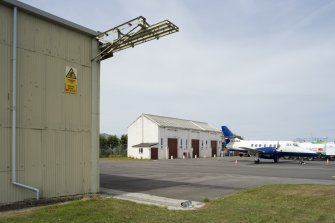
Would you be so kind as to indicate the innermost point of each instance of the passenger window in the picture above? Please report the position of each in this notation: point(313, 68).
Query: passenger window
point(252, 145)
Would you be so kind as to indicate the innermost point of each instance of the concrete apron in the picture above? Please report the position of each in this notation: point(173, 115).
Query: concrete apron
point(169, 203)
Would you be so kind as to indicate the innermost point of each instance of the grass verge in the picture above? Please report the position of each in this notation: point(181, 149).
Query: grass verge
point(271, 203)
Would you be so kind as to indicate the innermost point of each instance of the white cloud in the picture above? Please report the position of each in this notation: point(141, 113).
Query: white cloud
point(263, 67)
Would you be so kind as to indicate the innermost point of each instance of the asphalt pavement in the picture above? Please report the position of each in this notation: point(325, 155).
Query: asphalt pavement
point(197, 179)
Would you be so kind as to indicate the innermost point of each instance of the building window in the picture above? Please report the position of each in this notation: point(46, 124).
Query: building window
point(186, 144)
point(140, 150)
point(161, 143)
point(181, 143)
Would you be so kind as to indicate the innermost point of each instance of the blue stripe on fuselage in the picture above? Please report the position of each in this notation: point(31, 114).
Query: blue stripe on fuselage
point(271, 153)
point(266, 150)
point(281, 154)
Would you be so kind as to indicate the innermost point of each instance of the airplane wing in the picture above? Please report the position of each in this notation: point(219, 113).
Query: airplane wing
point(260, 151)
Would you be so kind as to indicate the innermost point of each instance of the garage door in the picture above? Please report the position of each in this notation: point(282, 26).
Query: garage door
point(214, 145)
point(154, 153)
point(195, 146)
point(172, 144)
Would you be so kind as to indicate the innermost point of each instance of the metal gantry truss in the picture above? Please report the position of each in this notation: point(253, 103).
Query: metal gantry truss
point(130, 34)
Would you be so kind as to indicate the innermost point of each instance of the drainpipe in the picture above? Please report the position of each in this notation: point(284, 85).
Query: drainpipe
point(14, 112)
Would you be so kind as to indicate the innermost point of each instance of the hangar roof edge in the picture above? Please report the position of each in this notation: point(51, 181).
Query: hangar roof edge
point(44, 14)
point(181, 123)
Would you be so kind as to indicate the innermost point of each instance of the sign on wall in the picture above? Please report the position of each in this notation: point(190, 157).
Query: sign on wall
point(71, 80)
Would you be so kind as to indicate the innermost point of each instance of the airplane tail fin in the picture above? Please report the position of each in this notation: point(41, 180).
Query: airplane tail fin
point(227, 133)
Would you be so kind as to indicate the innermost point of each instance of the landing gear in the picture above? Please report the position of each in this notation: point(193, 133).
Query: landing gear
point(275, 159)
point(301, 161)
point(257, 161)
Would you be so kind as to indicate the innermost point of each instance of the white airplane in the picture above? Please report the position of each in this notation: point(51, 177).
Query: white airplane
point(316, 147)
point(266, 149)
point(325, 149)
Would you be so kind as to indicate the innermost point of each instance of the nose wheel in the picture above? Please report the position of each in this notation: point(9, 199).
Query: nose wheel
point(257, 161)
point(302, 162)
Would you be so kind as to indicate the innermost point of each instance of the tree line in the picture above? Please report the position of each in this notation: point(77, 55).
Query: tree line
point(112, 145)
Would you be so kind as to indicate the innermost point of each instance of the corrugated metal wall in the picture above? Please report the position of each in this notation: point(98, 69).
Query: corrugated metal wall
point(55, 148)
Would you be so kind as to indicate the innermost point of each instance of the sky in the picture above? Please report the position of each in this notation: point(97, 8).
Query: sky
point(264, 68)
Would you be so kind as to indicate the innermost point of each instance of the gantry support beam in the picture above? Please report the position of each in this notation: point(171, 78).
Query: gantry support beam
point(140, 31)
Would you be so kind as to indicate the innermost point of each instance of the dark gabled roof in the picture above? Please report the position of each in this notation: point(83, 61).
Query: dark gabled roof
point(181, 123)
point(146, 144)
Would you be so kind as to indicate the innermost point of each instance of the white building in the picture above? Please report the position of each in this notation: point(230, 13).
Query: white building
point(157, 137)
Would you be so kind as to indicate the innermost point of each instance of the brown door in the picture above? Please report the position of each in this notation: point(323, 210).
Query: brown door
point(195, 146)
point(154, 153)
point(172, 144)
point(214, 145)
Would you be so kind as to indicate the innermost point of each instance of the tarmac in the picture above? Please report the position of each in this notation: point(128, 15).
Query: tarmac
point(168, 183)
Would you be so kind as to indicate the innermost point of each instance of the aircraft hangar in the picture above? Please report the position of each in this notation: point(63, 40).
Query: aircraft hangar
point(49, 96)
point(158, 137)
point(49, 122)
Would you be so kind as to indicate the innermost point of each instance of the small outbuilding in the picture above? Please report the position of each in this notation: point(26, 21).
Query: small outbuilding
point(158, 137)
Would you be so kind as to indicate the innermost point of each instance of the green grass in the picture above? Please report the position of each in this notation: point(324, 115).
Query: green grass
point(273, 203)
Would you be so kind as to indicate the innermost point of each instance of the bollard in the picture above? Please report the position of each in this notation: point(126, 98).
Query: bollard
point(236, 162)
point(172, 157)
point(214, 155)
point(183, 156)
point(196, 156)
point(327, 161)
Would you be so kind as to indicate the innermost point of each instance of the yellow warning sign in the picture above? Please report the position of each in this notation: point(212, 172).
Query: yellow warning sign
point(71, 74)
point(71, 80)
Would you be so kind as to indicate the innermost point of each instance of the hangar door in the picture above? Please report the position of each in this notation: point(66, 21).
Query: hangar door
point(195, 146)
point(154, 153)
point(214, 145)
point(172, 144)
